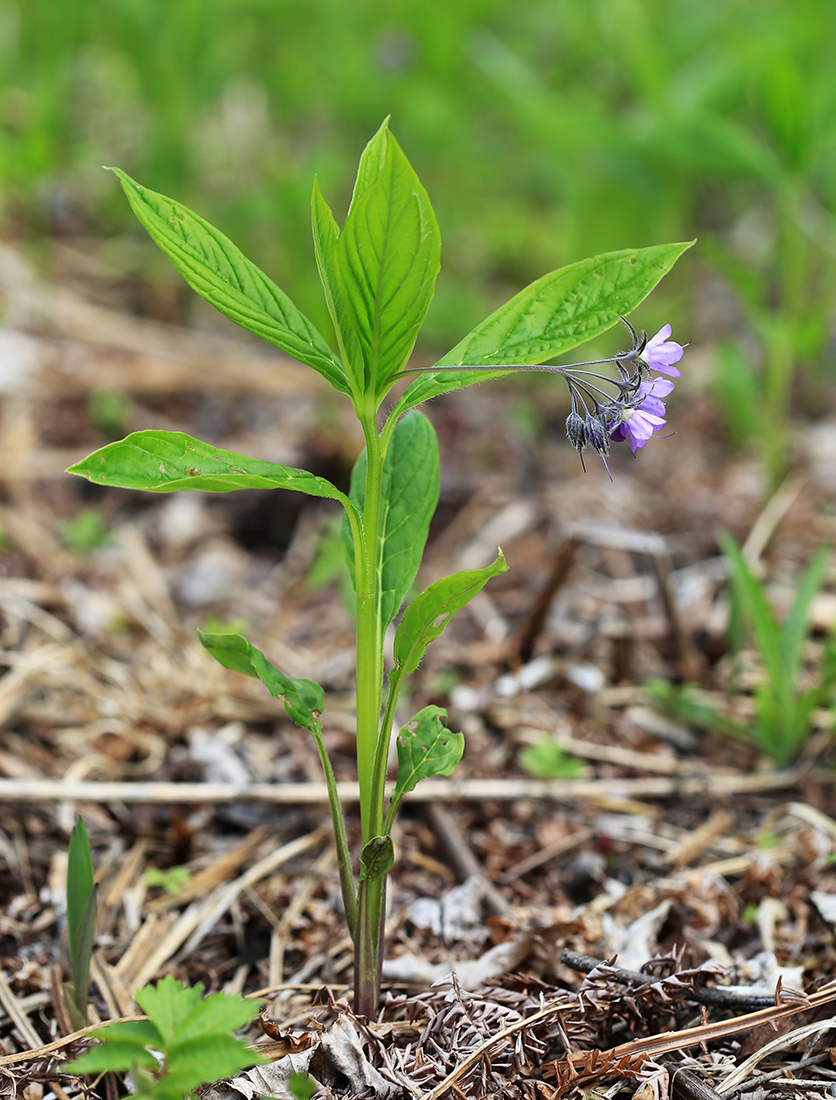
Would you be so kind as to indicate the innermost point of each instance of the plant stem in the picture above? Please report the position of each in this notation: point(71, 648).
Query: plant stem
point(369, 657)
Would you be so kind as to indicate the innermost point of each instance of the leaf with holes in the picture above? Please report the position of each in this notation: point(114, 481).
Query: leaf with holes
point(425, 748)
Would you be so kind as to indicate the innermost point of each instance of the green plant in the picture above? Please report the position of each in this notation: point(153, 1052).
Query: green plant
point(85, 532)
point(172, 879)
point(548, 760)
point(783, 707)
point(81, 923)
point(378, 272)
point(184, 1043)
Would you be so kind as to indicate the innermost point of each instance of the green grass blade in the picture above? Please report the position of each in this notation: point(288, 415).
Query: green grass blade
point(81, 919)
point(797, 628)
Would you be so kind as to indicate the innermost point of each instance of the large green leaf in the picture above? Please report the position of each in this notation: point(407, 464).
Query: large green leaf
point(167, 462)
point(426, 618)
point(379, 272)
point(425, 748)
point(213, 266)
point(304, 700)
point(554, 314)
point(409, 494)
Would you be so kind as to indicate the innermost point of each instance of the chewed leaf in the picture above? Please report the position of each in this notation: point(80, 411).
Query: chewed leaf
point(425, 748)
point(554, 314)
point(377, 858)
point(427, 616)
point(213, 266)
point(304, 700)
point(168, 462)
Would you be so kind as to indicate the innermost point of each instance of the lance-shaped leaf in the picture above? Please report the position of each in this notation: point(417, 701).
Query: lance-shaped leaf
point(377, 858)
point(426, 618)
point(81, 921)
point(425, 748)
point(409, 494)
point(554, 314)
point(167, 462)
point(303, 700)
point(213, 266)
point(379, 272)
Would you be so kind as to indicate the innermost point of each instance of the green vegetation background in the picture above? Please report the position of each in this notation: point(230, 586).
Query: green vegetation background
point(544, 132)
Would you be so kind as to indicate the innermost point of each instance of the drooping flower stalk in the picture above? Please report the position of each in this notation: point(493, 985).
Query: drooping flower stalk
point(634, 412)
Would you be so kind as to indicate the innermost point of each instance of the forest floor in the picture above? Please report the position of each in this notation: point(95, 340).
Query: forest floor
point(682, 854)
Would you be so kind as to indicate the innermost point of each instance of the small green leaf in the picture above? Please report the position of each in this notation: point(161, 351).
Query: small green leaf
point(192, 1035)
point(427, 616)
point(797, 627)
point(139, 1032)
point(301, 1086)
point(377, 858)
point(379, 272)
point(208, 1058)
point(167, 462)
point(116, 1057)
point(426, 748)
point(213, 266)
point(554, 314)
point(303, 700)
point(409, 494)
point(168, 1003)
point(548, 760)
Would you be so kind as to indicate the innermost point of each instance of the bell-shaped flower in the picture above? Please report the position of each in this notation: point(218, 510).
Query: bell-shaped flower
point(660, 353)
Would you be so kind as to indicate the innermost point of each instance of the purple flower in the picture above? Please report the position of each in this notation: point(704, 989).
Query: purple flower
point(660, 353)
point(640, 422)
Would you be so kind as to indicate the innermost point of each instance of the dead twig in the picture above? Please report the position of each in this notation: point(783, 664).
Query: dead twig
point(711, 995)
point(712, 783)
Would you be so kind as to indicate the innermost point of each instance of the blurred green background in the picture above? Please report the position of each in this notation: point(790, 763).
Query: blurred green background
point(543, 131)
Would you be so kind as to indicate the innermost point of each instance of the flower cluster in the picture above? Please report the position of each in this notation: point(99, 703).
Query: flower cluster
point(636, 411)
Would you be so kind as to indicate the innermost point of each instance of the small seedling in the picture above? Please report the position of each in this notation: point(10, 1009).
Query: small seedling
point(172, 880)
point(378, 272)
point(184, 1043)
point(81, 923)
point(85, 532)
point(109, 410)
point(783, 708)
point(547, 760)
